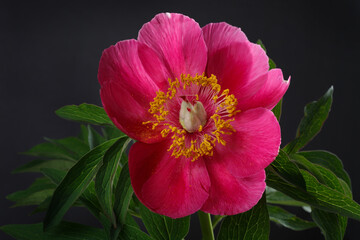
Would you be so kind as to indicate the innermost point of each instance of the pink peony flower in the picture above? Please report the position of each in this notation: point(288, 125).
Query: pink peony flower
point(198, 101)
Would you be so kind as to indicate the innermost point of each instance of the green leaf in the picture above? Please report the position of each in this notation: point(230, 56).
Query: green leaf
point(329, 223)
point(288, 219)
point(83, 135)
point(306, 164)
point(42, 207)
point(64, 231)
point(123, 161)
point(130, 221)
point(112, 132)
point(253, 224)
point(275, 197)
point(75, 182)
point(272, 64)
point(132, 233)
point(329, 161)
point(70, 148)
point(38, 191)
point(346, 188)
point(105, 176)
point(162, 227)
point(87, 198)
point(24, 231)
point(317, 195)
point(277, 110)
point(55, 175)
point(273, 180)
point(332, 225)
point(328, 178)
point(315, 114)
point(74, 231)
point(72, 145)
point(85, 113)
point(36, 165)
point(261, 44)
point(50, 150)
point(94, 138)
point(123, 194)
point(288, 170)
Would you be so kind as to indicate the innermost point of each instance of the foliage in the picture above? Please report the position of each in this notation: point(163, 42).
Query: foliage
point(91, 170)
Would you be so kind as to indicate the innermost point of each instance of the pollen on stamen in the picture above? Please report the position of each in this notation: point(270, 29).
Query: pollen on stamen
point(165, 132)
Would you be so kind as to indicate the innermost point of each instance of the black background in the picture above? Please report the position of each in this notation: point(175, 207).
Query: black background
point(49, 54)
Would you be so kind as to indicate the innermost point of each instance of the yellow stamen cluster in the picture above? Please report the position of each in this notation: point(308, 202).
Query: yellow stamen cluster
point(222, 127)
point(201, 80)
point(204, 144)
point(157, 106)
point(229, 102)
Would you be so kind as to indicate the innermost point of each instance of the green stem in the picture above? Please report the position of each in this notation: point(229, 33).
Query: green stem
point(114, 233)
point(217, 219)
point(206, 226)
point(135, 214)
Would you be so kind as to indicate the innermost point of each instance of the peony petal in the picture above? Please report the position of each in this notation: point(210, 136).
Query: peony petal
point(175, 187)
point(178, 41)
point(232, 65)
point(234, 68)
point(154, 67)
point(239, 65)
point(127, 90)
point(254, 145)
point(121, 64)
point(270, 93)
point(220, 35)
point(128, 112)
point(228, 194)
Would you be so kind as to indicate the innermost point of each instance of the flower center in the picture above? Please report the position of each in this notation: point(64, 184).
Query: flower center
point(191, 117)
point(195, 113)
